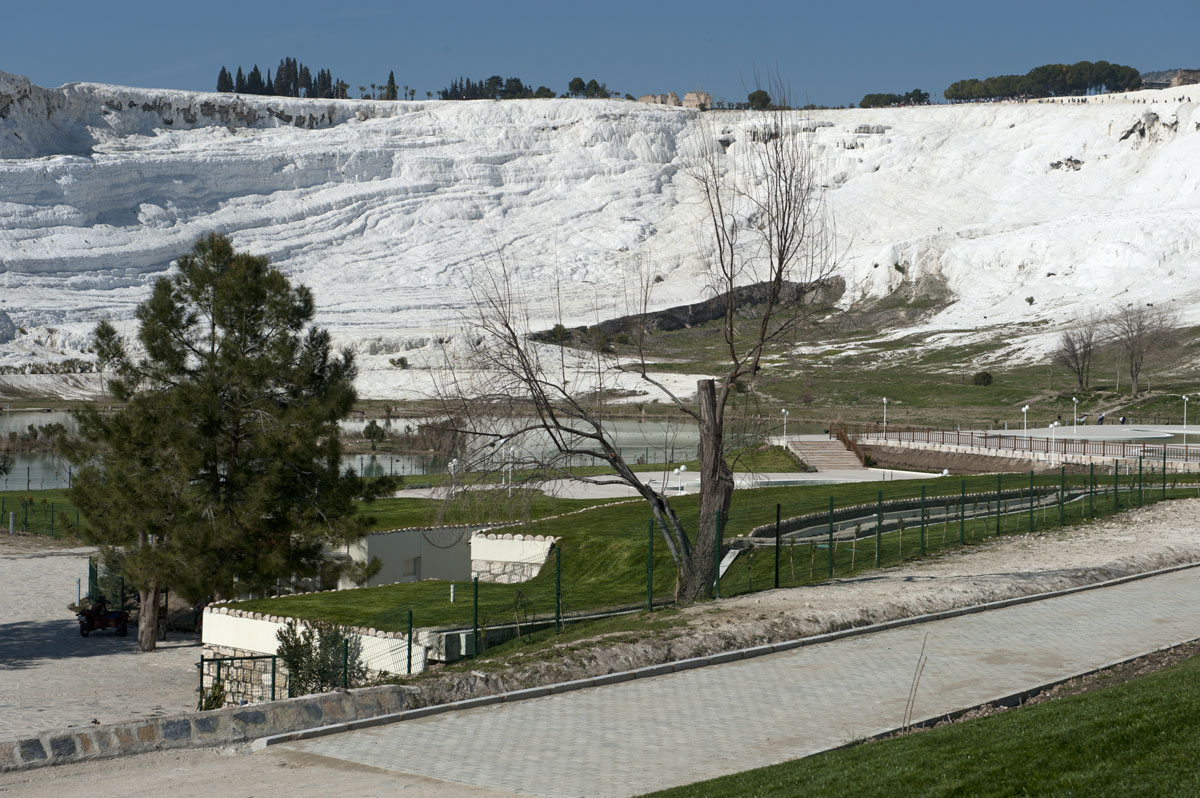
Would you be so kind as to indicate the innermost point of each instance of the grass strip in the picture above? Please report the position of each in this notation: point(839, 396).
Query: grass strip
point(1133, 739)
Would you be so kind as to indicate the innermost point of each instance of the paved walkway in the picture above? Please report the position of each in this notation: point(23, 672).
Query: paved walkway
point(634, 737)
point(50, 677)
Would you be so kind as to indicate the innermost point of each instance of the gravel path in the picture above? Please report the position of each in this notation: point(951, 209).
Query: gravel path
point(50, 677)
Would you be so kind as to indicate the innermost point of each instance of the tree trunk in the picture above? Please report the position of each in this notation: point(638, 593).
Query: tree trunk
point(696, 576)
point(148, 618)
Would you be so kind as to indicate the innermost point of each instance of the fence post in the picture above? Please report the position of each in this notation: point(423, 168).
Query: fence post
point(1092, 490)
point(200, 701)
point(557, 588)
point(650, 566)
point(778, 513)
point(922, 520)
point(410, 642)
point(997, 504)
point(475, 618)
point(1164, 476)
point(51, 519)
point(878, 528)
point(1116, 485)
point(1031, 500)
point(717, 559)
point(272, 677)
point(346, 662)
point(962, 512)
point(831, 537)
point(1140, 488)
point(1062, 489)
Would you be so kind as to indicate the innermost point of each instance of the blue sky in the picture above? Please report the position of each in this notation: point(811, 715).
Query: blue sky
point(830, 53)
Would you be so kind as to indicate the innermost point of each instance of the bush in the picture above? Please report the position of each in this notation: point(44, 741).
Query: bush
point(320, 657)
point(983, 378)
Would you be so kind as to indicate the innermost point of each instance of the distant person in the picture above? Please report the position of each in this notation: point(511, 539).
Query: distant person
point(1122, 420)
point(1100, 420)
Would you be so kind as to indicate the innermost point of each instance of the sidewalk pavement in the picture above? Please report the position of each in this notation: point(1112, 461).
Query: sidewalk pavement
point(638, 736)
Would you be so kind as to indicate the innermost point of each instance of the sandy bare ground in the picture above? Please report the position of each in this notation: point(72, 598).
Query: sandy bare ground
point(1137, 541)
point(50, 677)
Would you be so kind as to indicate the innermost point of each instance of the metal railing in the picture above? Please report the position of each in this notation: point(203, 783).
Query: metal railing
point(1020, 442)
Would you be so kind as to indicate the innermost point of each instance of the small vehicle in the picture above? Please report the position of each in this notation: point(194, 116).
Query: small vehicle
point(98, 616)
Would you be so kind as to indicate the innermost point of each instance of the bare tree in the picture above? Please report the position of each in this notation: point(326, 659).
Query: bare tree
point(766, 249)
point(1137, 330)
point(1076, 346)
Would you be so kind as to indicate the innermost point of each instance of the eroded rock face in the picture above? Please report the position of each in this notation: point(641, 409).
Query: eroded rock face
point(8, 330)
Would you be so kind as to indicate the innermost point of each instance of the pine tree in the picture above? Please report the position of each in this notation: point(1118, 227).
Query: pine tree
point(389, 91)
point(224, 81)
point(219, 473)
point(269, 86)
point(239, 84)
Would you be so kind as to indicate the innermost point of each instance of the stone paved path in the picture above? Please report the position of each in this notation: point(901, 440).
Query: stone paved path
point(50, 677)
point(634, 737)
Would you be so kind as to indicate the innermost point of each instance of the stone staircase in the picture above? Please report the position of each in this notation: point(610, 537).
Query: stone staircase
point(825, 455)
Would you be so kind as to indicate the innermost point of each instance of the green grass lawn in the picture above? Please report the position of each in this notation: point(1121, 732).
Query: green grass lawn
point(1134, 739)
point(40, 512)
point(604, 554)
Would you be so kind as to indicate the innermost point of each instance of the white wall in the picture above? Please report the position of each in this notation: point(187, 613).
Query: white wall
point(409, 555)
point(510, 548)
point(234, 629)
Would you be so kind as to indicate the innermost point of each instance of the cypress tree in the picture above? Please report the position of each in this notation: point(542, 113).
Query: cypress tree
point(254, 82)
point(389, 91)
point(239, 84)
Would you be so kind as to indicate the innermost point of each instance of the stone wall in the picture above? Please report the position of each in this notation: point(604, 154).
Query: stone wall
point(199, 729)
point(249, 678)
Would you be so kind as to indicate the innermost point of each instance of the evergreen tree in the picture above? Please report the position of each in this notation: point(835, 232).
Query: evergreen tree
point(269, 86)
point(254, 81)
point(224, 81)
point(219, 473)
point(390, 91)
point(239, 84)
point(576, 87)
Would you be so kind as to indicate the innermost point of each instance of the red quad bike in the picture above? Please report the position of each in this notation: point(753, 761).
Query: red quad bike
point(98, 616)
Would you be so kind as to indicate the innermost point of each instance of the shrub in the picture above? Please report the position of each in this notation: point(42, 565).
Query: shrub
point(983, 378)
point(320, 657)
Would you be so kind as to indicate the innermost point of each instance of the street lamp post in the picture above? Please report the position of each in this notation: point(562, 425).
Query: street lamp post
point(678, 478)
point(1075, 416)
point(885, 412)
point(1053, 425)
point(785, 415)
point(1185, 401)
point(1025, 422)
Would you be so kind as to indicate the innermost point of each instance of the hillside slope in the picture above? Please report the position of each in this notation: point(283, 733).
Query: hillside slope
point(384, 209)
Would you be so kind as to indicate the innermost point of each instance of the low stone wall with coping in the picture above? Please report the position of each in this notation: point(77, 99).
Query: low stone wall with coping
point(508, 559)
point(216, 727)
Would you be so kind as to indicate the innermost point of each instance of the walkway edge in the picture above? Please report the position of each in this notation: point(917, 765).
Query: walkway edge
point(734, 656)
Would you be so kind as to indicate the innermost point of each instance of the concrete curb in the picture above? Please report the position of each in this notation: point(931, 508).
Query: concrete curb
point(734, 656)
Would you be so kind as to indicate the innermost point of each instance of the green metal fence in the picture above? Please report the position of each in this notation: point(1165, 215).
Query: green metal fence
point(762, 546)
point(32, 515)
